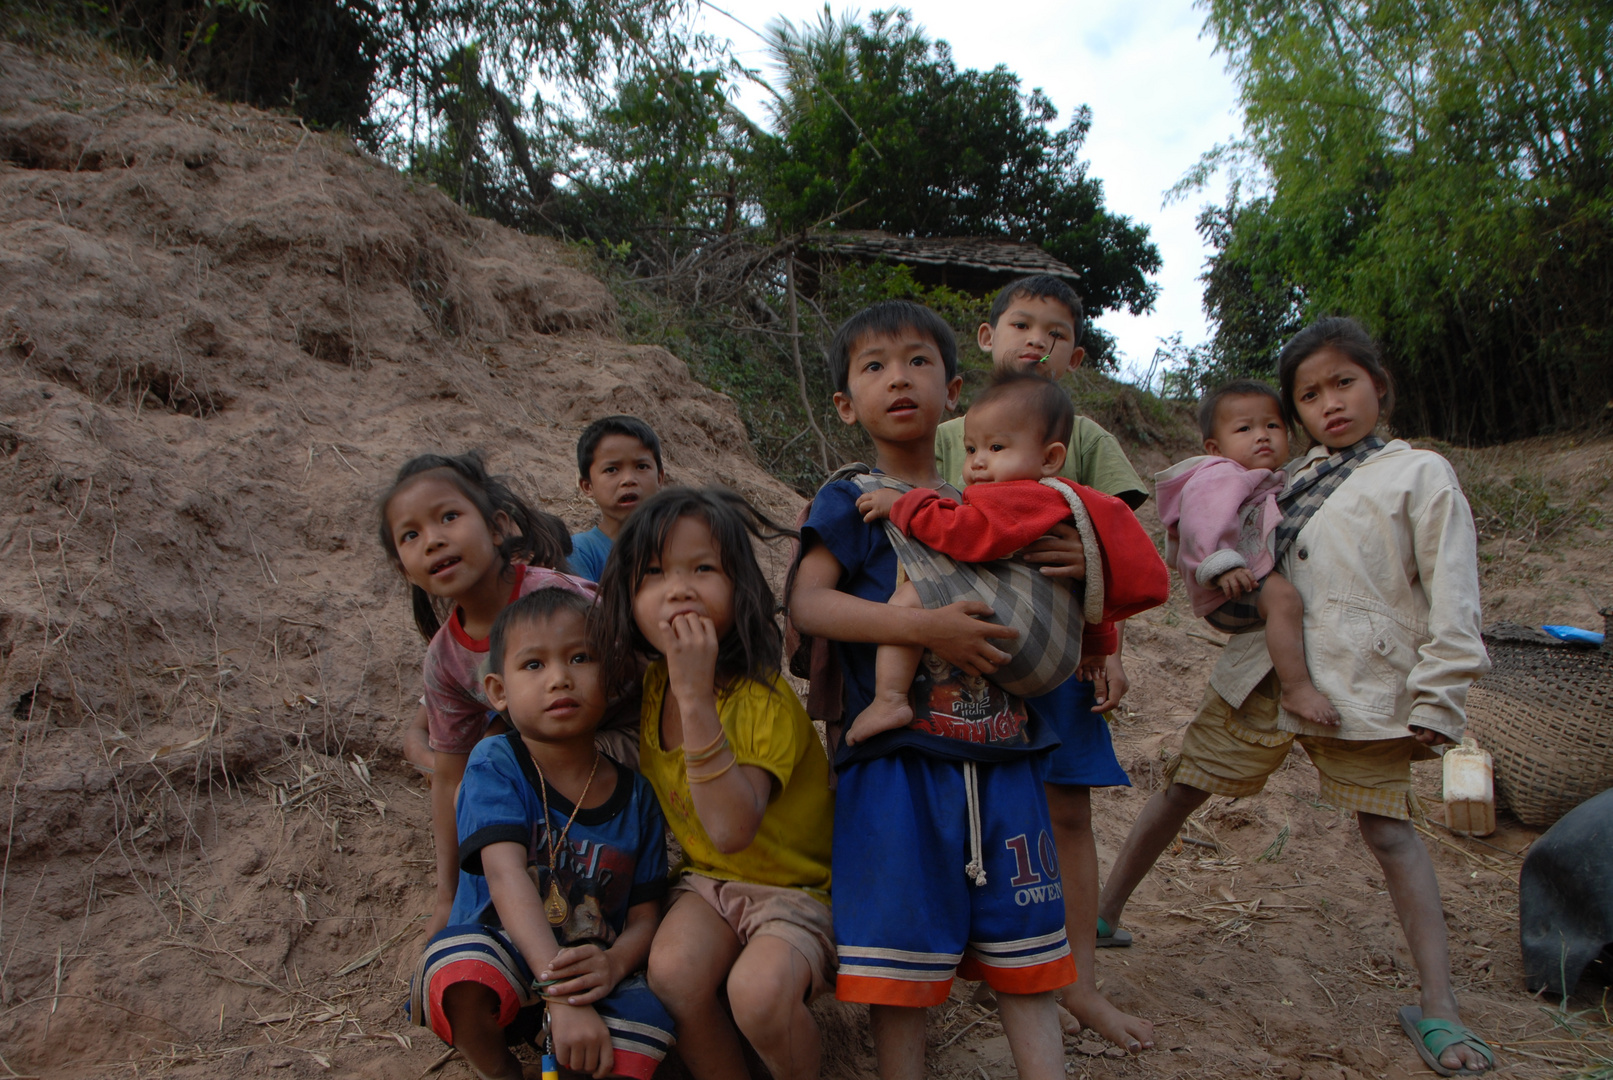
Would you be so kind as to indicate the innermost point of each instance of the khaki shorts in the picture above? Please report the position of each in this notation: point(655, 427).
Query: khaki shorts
point(1231, 751)
point(756, 910)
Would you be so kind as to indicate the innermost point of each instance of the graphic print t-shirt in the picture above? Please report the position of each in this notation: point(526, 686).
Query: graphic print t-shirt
point(1095, 460)
point(613, 857)
point(957, 716)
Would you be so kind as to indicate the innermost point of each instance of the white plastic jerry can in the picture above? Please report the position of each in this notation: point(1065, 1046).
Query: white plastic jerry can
point(1469, 790)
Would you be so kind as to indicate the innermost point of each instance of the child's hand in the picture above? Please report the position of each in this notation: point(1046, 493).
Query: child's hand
point(957, 637)
point(587, 972)
point(1114, 687)
point(581, 1039)
point(1427, 737)
point(1234, 583)
point(691, 653)
point(1095, 670)
point(1060, 553)
point(876, 505)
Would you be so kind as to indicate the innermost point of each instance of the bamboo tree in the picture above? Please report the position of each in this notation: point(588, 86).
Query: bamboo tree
point(1442, 169)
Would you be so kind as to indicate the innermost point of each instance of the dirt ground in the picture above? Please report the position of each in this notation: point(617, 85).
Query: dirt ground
point(219, 335)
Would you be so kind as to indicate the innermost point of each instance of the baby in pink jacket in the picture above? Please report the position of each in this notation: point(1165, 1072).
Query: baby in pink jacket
point(1219, 512)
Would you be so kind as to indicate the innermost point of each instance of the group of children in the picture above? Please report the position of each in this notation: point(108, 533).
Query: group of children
point(587, 695)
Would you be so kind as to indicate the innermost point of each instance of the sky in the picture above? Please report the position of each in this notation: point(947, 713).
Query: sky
point(1160, 98)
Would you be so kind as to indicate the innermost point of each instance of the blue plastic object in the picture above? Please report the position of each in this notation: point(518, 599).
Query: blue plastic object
point(1574, 633)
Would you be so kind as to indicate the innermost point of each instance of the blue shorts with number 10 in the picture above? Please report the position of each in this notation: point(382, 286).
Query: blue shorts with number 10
point(907, 918)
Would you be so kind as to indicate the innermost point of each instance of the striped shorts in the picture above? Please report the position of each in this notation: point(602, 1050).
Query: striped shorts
point(640, 1027)
point(908, 915)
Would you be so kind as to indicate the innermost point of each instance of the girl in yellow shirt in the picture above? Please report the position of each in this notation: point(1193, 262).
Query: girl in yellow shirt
point(741, 776)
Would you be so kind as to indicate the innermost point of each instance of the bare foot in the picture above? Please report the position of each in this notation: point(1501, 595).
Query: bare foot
point(1091, 1010)
point(1306, 702)
point(1067, 1021)
point(884, 713)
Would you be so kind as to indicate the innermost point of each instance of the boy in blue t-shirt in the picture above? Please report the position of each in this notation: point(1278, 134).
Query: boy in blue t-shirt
point(618, 466)
point(943, 855)
point(563, 869)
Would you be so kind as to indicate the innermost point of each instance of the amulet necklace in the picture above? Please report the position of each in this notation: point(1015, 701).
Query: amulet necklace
point(555, 908)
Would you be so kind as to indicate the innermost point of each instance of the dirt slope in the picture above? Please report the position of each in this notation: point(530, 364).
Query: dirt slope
point(220, 335)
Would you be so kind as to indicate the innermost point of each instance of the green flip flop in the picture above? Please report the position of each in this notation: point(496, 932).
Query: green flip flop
point(1433, 1037)
point(1112, 937)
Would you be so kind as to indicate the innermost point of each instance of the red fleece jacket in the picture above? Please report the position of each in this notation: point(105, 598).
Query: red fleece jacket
point(995, 520)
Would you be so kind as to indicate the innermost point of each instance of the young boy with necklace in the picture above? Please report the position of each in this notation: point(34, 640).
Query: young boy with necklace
point(563, 869)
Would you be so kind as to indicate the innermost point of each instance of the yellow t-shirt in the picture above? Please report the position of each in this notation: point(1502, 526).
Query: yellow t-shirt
point(767, 728)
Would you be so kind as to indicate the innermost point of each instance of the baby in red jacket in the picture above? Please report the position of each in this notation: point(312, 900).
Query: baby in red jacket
point(1015, 435)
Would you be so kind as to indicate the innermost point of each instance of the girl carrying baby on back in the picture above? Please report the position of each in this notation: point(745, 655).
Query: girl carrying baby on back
point(1377, 540)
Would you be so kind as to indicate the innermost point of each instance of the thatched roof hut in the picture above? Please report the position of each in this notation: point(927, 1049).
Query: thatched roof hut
point(974, 264)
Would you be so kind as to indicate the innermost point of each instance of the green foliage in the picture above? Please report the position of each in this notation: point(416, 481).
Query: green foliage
point(858, 285)
point(1443, 170)
point(428, 95)
point(462, 159)
point(380, 67)
point(753, 365)
point(664, 151)
point(576, 45)
point(877, 128)
point(702, 211)
point(754, 369)
point(659, 167)
point(582, 163)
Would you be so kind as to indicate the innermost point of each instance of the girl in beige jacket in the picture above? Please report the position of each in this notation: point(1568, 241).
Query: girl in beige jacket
point(1379, 542)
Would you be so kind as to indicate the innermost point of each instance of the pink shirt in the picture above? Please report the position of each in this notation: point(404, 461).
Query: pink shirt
point(456, 703)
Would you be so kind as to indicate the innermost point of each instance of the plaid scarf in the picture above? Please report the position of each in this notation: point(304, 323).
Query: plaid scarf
point(1310, 488)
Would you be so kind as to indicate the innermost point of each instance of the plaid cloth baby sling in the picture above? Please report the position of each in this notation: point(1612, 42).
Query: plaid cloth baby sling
point(1048, 613)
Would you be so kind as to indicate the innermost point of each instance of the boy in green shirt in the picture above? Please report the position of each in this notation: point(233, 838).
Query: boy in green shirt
point(1035, 326)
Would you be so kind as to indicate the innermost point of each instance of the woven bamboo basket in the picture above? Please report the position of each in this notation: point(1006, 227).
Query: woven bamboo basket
point(1545, 711)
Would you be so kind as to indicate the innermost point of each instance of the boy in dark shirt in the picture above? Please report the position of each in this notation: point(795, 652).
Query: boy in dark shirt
point(943, 855)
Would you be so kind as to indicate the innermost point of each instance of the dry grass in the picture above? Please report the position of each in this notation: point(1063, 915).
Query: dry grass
point(1525, 498)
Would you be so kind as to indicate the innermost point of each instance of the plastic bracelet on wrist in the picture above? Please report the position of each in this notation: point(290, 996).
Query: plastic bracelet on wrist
point(700, 757)
point(706, 778)
point(707, 751)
